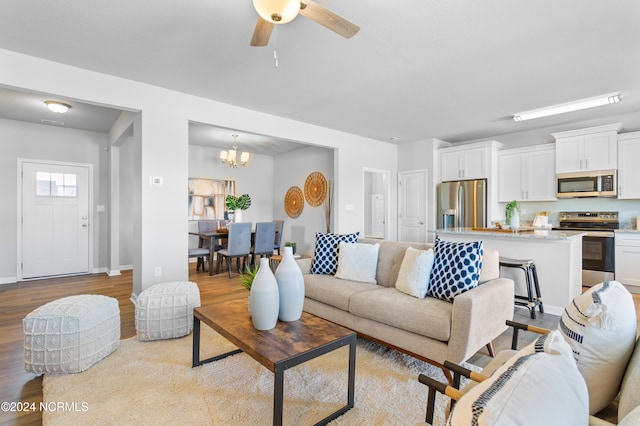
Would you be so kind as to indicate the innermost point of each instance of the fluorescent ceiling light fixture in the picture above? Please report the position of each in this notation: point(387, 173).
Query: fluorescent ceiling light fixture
point(58, 107)
point(610, 98)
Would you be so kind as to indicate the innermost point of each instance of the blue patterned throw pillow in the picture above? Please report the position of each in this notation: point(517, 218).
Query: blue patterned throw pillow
point(325, 256)
point(456, 268)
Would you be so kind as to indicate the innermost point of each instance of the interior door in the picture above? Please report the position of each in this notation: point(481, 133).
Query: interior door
point(412, 217)
point(55, 219)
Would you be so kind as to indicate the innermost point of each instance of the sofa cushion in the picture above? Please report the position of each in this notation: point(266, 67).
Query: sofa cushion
point(428, 317)
point(333, 291)
point(490, 265)
point(415, 269)
point(526, 390)
point(390, 257)
point(325, 255)
point(357, 262)
point(600, 327)
point(456, 268)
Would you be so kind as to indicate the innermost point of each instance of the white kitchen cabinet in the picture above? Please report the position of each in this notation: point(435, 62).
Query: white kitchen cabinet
point(527, 174)
point(464, 163)
point(594, 148)
point(628, 170)
point(628, 258)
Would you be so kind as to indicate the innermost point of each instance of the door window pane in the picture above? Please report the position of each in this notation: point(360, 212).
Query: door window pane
point(56, 184)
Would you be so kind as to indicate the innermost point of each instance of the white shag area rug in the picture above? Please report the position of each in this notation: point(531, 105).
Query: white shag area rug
point(153, 383)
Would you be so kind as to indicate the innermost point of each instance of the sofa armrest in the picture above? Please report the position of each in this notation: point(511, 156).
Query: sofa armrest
point(479, 316)
point(305, 265)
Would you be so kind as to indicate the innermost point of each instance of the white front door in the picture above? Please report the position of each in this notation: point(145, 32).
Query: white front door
point(412, 206)
point(55, 219)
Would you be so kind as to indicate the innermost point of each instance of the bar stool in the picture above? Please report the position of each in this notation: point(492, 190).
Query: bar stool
point(530, 274)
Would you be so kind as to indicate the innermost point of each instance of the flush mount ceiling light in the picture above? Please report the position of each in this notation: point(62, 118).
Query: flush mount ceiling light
point(230, 157)
point(610, 98)
point(58, 107)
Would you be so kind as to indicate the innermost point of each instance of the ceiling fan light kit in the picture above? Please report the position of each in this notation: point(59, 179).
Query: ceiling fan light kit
point(581, 104)
point(277, 11)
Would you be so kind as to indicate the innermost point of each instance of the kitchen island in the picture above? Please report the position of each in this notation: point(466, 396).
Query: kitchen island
point(558, 257)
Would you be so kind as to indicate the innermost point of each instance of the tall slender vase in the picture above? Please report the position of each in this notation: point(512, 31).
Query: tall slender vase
point(290, 286)
point(264, 300)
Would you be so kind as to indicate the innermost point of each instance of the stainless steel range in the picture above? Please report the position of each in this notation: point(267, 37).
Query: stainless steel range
point(598, 248)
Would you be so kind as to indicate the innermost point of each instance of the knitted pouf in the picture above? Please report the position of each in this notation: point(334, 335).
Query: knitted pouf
point(165, 311)
point(71, 334)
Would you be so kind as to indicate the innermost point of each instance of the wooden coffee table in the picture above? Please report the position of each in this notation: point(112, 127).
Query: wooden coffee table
point(287, 345)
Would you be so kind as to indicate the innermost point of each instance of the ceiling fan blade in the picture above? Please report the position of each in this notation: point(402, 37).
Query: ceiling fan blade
point(328, 19)
point(261, 33)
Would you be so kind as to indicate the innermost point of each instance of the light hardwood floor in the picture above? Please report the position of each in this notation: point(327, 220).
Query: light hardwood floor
point(17, 300)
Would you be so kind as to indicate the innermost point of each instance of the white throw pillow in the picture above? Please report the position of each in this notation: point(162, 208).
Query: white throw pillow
point(540, 385)
point(358, 262)
point(415, 269)
point(600, 327)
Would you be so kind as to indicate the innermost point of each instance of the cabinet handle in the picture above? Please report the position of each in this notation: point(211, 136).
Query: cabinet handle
point(586, 163)
point(581, 164)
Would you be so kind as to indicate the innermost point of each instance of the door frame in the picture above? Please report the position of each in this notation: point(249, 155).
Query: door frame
point(19, 209)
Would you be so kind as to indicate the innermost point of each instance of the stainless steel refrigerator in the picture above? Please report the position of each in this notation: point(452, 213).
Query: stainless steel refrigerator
point(462, 204)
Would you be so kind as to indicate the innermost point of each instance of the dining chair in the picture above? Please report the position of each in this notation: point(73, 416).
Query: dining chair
point(201, 254)
point(210, 226)
point(263, 241)
point(238, 246)
point(278, 240)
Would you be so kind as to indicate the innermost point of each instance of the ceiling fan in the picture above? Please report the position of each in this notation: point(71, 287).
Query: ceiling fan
point(273, 12)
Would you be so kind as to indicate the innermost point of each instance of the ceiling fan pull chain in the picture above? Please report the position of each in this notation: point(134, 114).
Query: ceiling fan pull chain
point(275, 45)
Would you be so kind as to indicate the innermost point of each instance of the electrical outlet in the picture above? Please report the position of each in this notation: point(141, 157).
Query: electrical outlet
point(158, 271)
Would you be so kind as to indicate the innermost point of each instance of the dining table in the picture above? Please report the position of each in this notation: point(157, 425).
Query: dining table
point(221, 234)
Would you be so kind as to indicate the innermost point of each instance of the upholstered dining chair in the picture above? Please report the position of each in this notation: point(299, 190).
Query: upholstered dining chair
point(263, 241)
point(238, 245)
point(278, 239)
point(210, 226)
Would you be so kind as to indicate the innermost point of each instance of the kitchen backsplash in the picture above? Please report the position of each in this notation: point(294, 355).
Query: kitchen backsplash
point(628, 210)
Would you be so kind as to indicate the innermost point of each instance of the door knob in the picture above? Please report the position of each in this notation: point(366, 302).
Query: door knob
point(84, 225)
point(420, 223)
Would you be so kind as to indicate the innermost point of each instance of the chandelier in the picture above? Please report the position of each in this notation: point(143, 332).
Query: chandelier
point(230, 157)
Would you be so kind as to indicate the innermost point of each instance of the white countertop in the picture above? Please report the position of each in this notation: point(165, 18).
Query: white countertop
point(627, 231)
point(536, 234)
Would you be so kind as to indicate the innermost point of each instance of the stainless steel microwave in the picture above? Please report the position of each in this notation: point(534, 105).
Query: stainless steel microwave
point(600, 183)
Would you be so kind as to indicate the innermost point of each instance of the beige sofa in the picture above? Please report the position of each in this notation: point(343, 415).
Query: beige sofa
point(429, 329)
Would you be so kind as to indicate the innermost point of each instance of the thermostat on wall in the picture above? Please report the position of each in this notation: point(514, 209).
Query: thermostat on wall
point(156, 181)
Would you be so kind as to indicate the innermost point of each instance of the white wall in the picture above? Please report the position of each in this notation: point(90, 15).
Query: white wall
point(42, 142)
point(292, 169)
point(161, 139)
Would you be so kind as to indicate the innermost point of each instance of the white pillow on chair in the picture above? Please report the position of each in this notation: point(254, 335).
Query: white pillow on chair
point(600, 327)
point(540, 385)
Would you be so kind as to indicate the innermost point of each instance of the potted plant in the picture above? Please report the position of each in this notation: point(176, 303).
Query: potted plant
point(292, 245)
point(246, 278)
point(512, 213)
point(237, 204)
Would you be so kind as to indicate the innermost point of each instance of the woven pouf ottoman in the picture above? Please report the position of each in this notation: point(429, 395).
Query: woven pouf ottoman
point(165, 311)
point(71, 334)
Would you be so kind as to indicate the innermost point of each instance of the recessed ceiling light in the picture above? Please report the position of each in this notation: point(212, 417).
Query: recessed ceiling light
point(393, 138)
point(610, 98)
point(58, 107)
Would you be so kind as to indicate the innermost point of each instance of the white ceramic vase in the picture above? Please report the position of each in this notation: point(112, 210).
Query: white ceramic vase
point(237, 215)
point(290, 286)
point(264, 300)
point(514, 221)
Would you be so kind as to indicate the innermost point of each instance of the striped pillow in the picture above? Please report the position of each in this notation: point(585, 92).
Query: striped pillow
point(540, 385)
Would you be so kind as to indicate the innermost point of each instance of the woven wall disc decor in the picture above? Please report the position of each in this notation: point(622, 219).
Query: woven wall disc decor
point(294, 202)
point(315, 189)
